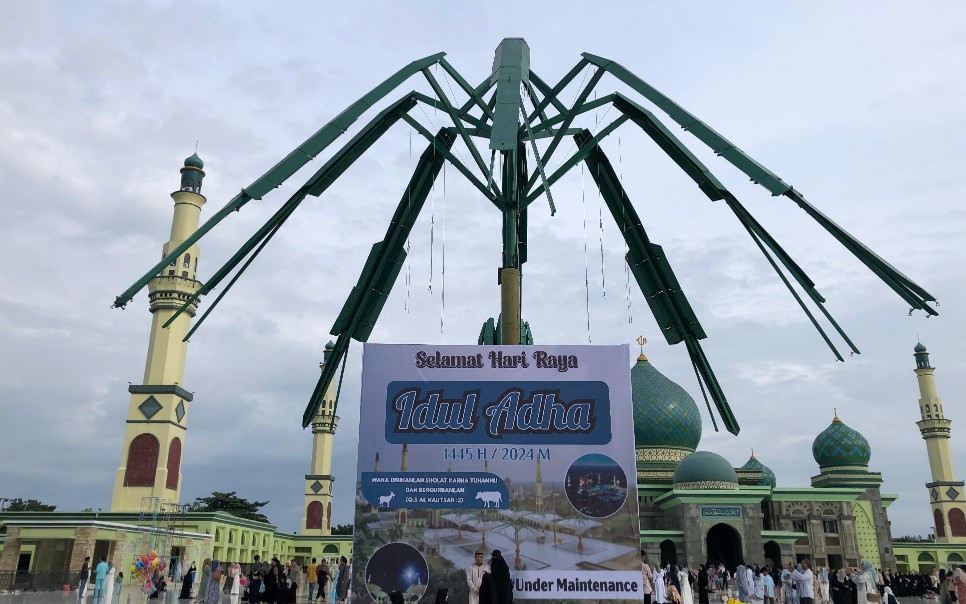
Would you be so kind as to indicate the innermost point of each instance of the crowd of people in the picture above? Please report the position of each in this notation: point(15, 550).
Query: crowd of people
point(266, 582)
point(797, 584)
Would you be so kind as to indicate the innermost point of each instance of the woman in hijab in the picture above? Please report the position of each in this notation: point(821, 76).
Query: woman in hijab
point(823, 584)
point(865, 582)
point(186, 583)
point(959, 582)
point(684, 582)
point(205, 577)
point(888, 597)
point(838, 591)
point(273, 580)
point(703, 581)
point(647, 584)
point(673, 579)
point(740, 578)
point(501, 578)
point(945, 591)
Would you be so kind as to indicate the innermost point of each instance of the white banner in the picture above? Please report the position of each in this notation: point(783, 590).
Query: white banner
point(577, 584)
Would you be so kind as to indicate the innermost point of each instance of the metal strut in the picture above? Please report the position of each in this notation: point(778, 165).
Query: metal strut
point(386, 258)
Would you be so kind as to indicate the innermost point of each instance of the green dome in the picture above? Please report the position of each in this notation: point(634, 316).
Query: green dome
point(330, 345)
point(665, 415)
point(920, 347)
point(839, 445)
point(194, 162)
point(705, 470)
point(767, 476)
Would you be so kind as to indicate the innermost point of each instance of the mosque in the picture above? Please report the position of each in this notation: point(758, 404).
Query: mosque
point(694, 505)
point(48, 548)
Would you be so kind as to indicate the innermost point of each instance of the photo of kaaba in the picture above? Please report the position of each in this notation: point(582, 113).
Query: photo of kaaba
point(596, 485)
point(397, 567)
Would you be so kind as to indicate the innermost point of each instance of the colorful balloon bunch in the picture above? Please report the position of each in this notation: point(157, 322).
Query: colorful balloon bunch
point(145, 565)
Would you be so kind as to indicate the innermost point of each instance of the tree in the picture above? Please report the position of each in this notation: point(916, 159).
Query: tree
point(342, 529)
point(28, 505)
point(232, 504)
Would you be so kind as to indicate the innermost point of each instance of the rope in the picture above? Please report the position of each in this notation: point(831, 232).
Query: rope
point(409, 203)
point(627, 268)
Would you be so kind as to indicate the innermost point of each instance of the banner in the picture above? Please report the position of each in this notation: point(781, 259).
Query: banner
point(528, 450)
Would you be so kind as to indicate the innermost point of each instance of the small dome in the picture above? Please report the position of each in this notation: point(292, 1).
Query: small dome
point(330, 345)
point(839, 445)
point(705, 470)
point(665, 415)
point(767, 476)
point(194, 162)
point(920, 348)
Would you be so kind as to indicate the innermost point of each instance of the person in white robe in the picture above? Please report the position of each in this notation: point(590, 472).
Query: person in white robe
point(684, 578)
point(823, 584)
point(660, 589)
point(865, 582)
point(109, 583)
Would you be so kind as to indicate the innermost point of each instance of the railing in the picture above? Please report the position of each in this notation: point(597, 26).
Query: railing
point(40, 581)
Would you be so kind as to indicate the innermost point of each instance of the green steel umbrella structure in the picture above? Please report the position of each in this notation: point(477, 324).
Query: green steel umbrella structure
point(513, 109)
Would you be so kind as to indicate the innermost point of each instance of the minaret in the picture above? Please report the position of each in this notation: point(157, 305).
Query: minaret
point(375, 466)
point(539, 485)
point(404, 459)
point(945, 492)
point(158, 412)
point(318, 482)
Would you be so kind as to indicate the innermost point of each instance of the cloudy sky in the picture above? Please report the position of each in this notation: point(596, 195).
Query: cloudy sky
point(860, 106)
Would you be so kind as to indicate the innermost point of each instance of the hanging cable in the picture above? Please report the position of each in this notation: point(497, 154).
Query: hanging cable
point(432, 216)
point(409, 204)
point(583, 206)
point(600, 216)
point(442, 311)
point(627, 268)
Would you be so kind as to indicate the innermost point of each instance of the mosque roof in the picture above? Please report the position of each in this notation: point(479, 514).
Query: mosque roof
point(705, 470)
point(839, 445)
point(767, 476)
point(920, 347)
point(665, 415)
point(194, 162)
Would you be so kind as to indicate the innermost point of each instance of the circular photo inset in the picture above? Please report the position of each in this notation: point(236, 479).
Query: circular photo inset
point(596, 485)
point(397, 567)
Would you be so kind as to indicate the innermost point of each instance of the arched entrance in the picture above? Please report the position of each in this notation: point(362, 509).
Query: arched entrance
point(773, 554)
point(724, 545)
point(669, 553)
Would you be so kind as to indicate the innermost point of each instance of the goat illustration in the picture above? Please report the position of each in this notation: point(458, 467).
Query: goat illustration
point(385, 499)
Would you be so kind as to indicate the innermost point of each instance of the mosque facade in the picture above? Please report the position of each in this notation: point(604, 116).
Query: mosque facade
point(696, 507)
point(46, 549)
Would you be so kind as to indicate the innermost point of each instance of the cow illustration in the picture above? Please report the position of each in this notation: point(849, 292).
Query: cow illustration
point(488, 497)
point(385, 499)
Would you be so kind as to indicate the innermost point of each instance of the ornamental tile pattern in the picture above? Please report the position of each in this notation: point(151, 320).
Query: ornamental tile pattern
point(952, 493)
point(661, 454)
point(767, 476)
point(150, 407)
point(179, 410)
point(706, 485)
point(665, 415)
point(839, 445)
point(316, 486)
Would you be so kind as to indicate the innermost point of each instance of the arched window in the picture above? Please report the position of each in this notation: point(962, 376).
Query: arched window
point(937, 516)
point(926, 557)
point(957, 523)
point(330, 549)
point(174, 463)
point(313, 515)
point(954, 557)
point(187, 261)
point(142, 461)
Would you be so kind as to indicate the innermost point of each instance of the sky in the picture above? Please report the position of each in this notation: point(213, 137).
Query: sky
point(859, 105)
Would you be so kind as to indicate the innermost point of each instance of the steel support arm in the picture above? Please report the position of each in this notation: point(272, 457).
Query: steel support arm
point(657, 281)
point(292, 162)
point(908, 290)
point(715, 190)
point(316, 185)
point(368, 297)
